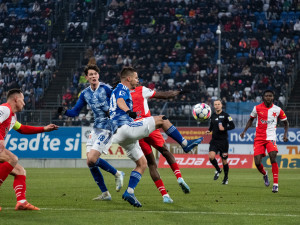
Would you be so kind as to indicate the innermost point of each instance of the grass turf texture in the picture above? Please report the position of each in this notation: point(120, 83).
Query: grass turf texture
point(65, 197)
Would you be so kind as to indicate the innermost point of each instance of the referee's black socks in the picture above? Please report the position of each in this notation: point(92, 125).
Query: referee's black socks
point(214, 162)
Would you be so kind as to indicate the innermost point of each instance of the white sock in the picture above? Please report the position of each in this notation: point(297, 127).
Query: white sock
point(22, 201)
point(166, 195)
point(118, 173)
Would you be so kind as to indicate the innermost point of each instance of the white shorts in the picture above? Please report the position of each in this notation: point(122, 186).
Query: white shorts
point(99, 140)
point(128, 135)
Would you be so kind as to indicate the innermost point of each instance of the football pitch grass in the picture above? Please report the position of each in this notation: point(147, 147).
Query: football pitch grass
point(65, 197)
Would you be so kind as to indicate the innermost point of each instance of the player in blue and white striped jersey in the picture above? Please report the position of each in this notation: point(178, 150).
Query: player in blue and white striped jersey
point(97, 96)
point(129, 131)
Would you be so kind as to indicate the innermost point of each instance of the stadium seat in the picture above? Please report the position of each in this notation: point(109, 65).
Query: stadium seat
point(171, 64)
point(283, 15)
point(216, 91)
point(18, 66)
point(247, 90)
point(11, 65)
point(43, 58)
point(210, 91)
point(246, 54)
point(291, 16)
point(170, 82)
point(178, 64)
point(272, 63)
point(188, 57)
point(239, 55)
point(282, 99)
point(37, 57)
point(279, 63)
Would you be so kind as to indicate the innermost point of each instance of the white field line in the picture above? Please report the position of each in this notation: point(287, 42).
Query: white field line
point(167, 212)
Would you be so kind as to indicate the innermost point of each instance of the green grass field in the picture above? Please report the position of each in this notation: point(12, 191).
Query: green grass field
point(64, 196)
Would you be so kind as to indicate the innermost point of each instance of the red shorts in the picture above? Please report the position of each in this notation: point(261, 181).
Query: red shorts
point(155, 139)
point(260, 147)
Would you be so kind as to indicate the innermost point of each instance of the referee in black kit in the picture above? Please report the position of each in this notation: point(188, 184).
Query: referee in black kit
point(219, 124)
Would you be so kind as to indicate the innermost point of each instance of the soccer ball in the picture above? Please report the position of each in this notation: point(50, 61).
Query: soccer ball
point(201, 112)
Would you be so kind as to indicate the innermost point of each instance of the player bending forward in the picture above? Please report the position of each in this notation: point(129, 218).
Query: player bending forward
point(129, 131)
point(265, 138)
point(140, 96)
point(8, 161)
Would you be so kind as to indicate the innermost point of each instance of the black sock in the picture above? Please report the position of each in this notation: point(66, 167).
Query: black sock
point(215, 164)
point(226, 170)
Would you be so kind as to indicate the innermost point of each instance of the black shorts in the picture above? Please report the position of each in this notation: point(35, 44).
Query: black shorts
point(219, 146)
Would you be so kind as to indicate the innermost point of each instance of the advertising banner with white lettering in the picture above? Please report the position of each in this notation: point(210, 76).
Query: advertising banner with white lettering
point(202, 161)
point(293, 135)
point(62, 143)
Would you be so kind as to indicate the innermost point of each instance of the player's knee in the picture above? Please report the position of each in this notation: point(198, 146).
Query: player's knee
point(13, 160)
point(90, 163)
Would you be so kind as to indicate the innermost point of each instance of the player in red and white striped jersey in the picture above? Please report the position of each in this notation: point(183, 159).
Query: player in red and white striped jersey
point(140, 96)
point(9, 161)
point(267, 115)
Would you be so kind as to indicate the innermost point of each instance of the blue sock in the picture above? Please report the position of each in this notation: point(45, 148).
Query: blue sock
point(95, 171)
point(135, 177)
point(174, 133)
point(106, 166)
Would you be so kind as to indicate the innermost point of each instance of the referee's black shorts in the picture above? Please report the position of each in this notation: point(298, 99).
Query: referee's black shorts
point(219, 146)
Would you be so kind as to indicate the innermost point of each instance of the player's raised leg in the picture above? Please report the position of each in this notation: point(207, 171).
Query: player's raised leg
point(171, 131)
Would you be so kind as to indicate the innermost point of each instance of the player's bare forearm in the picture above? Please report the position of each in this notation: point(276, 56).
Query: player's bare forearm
point(249, 124)
point(122, 104)
point(50, 127)
point(166, 94)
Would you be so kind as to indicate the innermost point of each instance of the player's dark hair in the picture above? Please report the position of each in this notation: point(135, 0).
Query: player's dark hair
point(126, 71)
point(13, 91)
point(91, 67)
point(268, 91)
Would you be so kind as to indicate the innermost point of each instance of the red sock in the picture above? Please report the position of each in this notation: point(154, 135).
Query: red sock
point(261, 169)
point(176, 170)
point(275, 172)
point(5, 169)
point(20, 187)
point(161, 187)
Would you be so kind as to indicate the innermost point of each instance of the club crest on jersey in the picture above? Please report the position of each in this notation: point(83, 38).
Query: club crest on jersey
point(274, 114)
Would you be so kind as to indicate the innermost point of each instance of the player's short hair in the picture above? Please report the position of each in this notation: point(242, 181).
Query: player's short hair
point(13, 91)
point(91, 67)
point(268, 90)
point(218, 99)
point(126, 71)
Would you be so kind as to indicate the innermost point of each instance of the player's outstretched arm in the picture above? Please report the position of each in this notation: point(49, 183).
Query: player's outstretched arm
point(249, 124)
point(122, 105)
point(50, 127)
point(25, 129)
point(166, 94)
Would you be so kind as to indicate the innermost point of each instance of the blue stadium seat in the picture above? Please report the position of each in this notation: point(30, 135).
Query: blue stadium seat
point(284, 16)
point(274, 37)
point(239, 55)
point(257, 15)
point(178, 64)
point(291, 16)
point(297, 15)
point(188, 57)
point(171, 64)
point(246, 54)
point(296, 38)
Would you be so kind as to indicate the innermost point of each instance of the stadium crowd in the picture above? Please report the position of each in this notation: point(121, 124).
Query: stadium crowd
point(173, 44)
point(27, 54)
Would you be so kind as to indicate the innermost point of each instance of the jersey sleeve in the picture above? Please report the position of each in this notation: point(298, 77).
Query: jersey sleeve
point(148, 93)
point(4, 113)
point(122, 94)
point(253, 113)
point(230, 124)
point(282, 115)
point(77, 108)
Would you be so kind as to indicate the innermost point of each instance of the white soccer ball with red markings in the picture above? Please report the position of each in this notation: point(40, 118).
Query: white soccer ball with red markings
point(201, 112)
